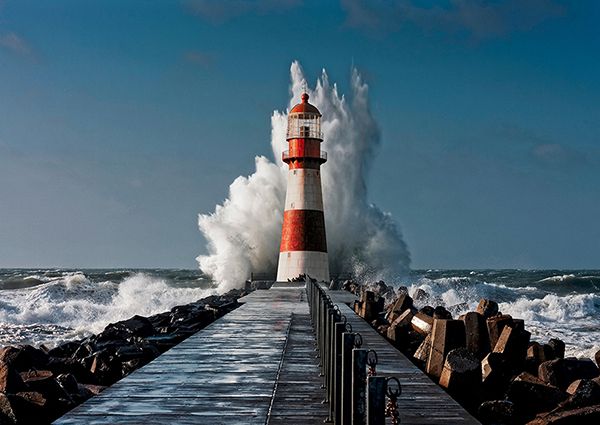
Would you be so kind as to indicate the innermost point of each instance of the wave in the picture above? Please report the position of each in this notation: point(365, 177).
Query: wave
point(75, 306)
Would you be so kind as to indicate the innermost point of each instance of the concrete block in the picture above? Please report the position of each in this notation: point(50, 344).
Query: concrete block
point(424, 349)
point(495, 326)
point(513, 343)
point(461, 376)
point(476, 332)
point(399, 328)
point(422, 323)
point(532, 395)
point(446, 335)
point(558, 347)
point(487, 308)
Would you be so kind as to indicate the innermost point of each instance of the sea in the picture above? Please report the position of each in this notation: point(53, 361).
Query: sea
point(51, 306)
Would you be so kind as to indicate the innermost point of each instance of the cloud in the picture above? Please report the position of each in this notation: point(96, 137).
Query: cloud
point(17, 45)
point(477, 18)
point(199, 58)
point(557, 154)
point(220, 11)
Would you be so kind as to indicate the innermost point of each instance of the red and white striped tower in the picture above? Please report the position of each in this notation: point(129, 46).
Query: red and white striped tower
point(303, 247)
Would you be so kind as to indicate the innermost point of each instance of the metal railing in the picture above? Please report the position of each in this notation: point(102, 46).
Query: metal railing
point(286, 155)
point(354, 392)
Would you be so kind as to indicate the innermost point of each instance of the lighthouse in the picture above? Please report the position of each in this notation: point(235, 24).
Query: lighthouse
point(303, 248)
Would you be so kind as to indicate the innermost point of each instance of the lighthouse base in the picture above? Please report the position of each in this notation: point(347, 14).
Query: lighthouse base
point(294, 263)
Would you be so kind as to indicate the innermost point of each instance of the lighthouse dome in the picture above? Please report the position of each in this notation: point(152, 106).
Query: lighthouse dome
point(305, 107)
point(304, 121)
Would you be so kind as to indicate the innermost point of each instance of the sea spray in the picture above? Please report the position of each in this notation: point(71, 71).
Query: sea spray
point(73, 305)
point(243, 234)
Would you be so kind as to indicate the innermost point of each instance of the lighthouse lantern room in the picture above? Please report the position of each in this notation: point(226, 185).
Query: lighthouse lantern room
point(303, 248)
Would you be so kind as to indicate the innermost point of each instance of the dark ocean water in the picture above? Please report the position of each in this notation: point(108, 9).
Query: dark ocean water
point(50, 306)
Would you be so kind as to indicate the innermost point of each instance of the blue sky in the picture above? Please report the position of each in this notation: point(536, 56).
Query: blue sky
point(121, 120)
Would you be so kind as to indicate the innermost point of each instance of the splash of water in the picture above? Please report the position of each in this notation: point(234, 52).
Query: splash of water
point(243, 234)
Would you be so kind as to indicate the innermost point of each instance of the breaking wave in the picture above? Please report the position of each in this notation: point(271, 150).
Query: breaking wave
point(243, 233)
point(73, 306)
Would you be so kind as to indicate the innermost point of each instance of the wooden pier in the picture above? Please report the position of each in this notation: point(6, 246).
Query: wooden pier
point(256, 365)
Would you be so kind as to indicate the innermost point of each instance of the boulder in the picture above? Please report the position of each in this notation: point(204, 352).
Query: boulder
point(496, 325)
point(24, 357)
point(136, 326)
point(476, 333)
point(532, 395)
point(420, 295)
point(427, 310)
point(500, 412)
point(562, 372)
point(583, 392)
point(582, 416)
point(440, 312)
point(558, 348)
point(487, 308)
point(7, 412)
point(597, 357)
point(446, 335)
point(68, 383)
point(461, 376)
point(10, 380)
point(65, 350)
point(105, 368)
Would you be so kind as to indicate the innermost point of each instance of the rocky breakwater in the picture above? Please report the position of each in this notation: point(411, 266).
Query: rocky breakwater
point(485, 359)
point(38, 385)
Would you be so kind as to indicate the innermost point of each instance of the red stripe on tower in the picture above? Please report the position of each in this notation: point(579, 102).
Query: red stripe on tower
point(303, 247)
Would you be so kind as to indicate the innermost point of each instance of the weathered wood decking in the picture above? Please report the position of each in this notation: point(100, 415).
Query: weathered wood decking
point(422, 401)
point(256, 365)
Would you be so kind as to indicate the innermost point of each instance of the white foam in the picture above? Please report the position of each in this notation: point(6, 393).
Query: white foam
point(243, 233)
point(74, 306)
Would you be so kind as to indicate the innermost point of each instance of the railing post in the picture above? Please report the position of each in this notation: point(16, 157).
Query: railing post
point(340, 327)
point(349, 340)
point(376, 390)
point(359, 386)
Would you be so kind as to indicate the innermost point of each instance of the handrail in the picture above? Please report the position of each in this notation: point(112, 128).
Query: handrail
point(286, 155)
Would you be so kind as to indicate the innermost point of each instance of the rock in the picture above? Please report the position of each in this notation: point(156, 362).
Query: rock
point(476, 333)
point(427, 310)
point(487, 308)
point(500, 412)
point(7, 413)
point(584, 392)
point(597, 357)
point(548, 352)
point(461, 376)
point(441, 313)
point(94, 389)
point(532, 395)
point(422, 323)
point(43, 382)
point(420, 295)
point(446, 335)
point(105, 368)
point(136, 326)
point(562, 372)
point(513, 343)
point(10, 380)
point(582, 416)
point(59, 365)
point(65, 350)
point(68, 382)
point(495, 327)
point(558, 348)
point(24, 357)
